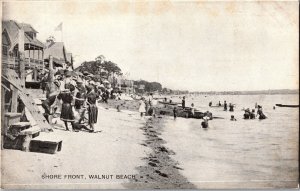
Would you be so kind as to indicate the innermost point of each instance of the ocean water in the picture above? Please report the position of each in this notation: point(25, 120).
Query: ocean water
point(243, 153)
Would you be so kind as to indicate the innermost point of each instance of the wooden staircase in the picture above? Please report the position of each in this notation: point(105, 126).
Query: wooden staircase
point(12, 77)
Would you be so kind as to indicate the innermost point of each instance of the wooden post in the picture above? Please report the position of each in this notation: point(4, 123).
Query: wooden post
point(51, 71)
point(33, 54)
point(14, 99)
point(21, 56)
point(22, 72)
point(3, 127)
point(35, 73)
point(43, 59)
point(51, 76)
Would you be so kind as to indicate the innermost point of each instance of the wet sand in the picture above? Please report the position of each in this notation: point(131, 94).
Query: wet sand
point(160, 170)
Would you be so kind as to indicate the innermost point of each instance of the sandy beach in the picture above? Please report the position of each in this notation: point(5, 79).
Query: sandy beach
point(116, 150)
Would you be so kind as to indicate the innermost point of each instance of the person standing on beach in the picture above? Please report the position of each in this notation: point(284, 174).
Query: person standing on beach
point(183, 102)
point(80, 99)
point(142, 108)
point(92, 107)
point(146, 106)
point(47, 104)
point(67, 114)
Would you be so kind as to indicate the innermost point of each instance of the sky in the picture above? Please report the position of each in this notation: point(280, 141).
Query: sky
point(195, 46)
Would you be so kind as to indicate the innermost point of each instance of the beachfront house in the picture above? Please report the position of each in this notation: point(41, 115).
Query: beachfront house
point(126, 86)
point(61, 59)
point(16, 34)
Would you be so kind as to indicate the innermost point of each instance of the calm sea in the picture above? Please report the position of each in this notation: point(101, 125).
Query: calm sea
point(242, 153)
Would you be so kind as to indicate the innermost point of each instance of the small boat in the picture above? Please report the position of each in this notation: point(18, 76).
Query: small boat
point(216, 106)
point(282, 105)
point(168, 103)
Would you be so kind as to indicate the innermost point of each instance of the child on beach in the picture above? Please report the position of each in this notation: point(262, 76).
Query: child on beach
point(142, 108)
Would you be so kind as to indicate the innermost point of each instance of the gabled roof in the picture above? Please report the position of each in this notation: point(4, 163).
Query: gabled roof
point(57, 50)
point(28, 28)
point(69, 58)
point(12, 27)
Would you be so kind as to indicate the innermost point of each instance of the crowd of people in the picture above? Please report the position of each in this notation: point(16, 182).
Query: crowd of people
point(74, 96)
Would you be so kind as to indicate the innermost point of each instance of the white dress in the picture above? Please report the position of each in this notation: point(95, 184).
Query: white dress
point(142, 108)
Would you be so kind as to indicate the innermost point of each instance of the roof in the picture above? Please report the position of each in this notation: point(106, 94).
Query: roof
point(12, 27)
point(69, 58)
point(57, 50)
point(28, 28)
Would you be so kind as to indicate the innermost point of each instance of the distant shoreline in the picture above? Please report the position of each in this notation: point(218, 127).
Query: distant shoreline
point(259, 92)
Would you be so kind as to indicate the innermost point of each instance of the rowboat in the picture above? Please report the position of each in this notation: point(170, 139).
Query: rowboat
point(216, 106)
point(168, 103)
point(282, 105)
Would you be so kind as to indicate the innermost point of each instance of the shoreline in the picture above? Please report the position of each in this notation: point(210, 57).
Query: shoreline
point(160, 171)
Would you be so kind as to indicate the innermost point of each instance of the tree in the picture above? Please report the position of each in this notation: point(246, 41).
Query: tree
point(99, 62)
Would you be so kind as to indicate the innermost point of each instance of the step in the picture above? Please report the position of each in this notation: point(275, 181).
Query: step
point(21, 125)
point(34, 131)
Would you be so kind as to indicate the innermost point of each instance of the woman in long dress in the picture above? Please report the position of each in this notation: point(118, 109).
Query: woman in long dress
point(67, 114)
point(92, 107)
point(142, 108)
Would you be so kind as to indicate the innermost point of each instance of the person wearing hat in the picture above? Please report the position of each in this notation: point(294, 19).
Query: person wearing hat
point(47, 105)
point(44, 79)
point(80, 97)
point(68, 79)
point(247, 114)
point(92, 107)
point(260, 113)
point(67, 114)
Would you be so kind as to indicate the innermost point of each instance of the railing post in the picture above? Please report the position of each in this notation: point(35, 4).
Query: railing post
point(22, 68)
point(51, 72)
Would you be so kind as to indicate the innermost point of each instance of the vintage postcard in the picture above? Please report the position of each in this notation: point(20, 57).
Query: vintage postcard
point(149, 94)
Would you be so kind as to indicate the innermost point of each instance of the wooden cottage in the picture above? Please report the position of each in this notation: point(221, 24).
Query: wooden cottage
point(16, 34)
point(61, 59)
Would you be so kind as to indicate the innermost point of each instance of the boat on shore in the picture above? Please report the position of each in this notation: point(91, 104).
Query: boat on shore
point(282, 105)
